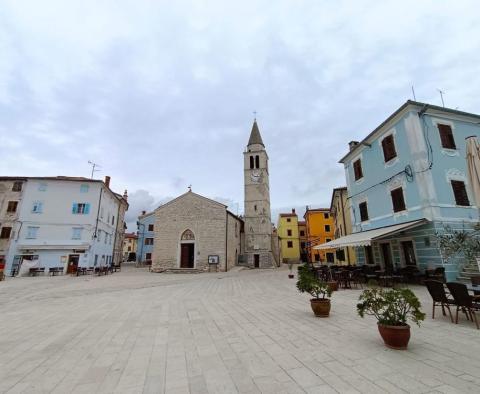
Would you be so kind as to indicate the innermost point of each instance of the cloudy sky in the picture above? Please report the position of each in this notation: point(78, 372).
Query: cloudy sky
point(161, 94)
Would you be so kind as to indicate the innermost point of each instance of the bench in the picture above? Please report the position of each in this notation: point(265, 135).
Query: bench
point(55, 271)
point(35, 271)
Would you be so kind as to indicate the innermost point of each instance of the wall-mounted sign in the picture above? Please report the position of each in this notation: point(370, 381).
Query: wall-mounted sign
point(213, 259)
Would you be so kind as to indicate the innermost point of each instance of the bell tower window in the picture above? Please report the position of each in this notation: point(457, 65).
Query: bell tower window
point(257, 161)
point(251, 162)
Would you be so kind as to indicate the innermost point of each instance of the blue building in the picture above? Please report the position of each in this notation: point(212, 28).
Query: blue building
point(146, 235)
point(406, 181)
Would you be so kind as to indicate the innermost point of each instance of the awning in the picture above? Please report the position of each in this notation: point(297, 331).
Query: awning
point(53, 246)
point(365, 238)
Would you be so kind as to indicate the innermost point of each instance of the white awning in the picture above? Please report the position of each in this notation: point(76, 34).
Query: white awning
point(365, 238)
point(53, 246)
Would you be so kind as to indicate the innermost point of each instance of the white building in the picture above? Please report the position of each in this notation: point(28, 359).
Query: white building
point(66, 222)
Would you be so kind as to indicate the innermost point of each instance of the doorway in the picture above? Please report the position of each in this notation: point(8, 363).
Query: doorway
point(409, 253)
point(187, 255)
point(256, 260)
point(387, 257)
point(72, 263)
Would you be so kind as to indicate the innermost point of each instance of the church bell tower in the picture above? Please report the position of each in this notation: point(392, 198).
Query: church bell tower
point(258, 225)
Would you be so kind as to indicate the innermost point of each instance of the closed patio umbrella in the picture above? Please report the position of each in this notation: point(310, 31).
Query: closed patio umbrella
point(473, 167)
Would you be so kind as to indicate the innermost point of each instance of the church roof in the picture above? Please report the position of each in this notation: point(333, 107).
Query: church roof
point(255, 137)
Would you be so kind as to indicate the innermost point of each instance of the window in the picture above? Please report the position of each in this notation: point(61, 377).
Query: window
point(330, 257)
point(388, 145)
point(148, 241)
point(289, 220)
point(398, 200)
point(150, 227)
point(327, 239)
point(252, 162)
point(17, 187)
point(84, 188)
point(368, 255)
point(37, 207)
point(129, 249)
point(77, 232)
point(363, 211)
point(12, 206)
point(317, 257)
point(446, 136)
point(148, 256)
point(81, 208)
point(113, 220)
point(302, 245)
point(42, 187)
point(289, 233)
point(357, 169)
point(302, 233)
point(326, 215)
point(32, 232)
point(5, 233)
point(105, 238)
point(289, 244)
point(257, 162)
point(327, 228)
point(460, 193)
point(99, 237)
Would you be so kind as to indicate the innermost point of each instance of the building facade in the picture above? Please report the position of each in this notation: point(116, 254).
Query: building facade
point(258, 224)
point(146, 237)
point(196, 233)
point(340, 210)
point(130, 247)
point(288, 237)
point(412, 169)
point(302, 237)
point(62, 222)
point(320, 229)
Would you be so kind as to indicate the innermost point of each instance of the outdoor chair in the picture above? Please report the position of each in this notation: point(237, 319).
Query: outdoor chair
point(469, 304)
point(439, 297)
point(476, 282)
point(357, 278)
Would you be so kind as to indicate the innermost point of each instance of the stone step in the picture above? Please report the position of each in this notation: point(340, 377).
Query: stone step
point(182, 271)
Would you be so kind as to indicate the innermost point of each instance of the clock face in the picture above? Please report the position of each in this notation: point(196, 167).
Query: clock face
point(255, 176)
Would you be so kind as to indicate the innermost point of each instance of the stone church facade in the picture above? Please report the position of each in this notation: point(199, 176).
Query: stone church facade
point(190, 230)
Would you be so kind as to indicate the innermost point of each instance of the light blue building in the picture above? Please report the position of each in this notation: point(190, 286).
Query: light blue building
point(407, 180)
point(146, 235)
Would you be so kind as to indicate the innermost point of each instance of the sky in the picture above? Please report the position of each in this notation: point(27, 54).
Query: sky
point(162, 94)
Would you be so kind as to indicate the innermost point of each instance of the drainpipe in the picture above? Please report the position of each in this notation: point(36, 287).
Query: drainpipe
point(226, 242)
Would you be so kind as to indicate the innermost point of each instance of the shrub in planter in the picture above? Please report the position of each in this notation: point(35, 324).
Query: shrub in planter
point(320, 291)
point(392, 308)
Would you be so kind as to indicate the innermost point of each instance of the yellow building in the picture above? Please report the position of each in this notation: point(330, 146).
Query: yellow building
point(288, 237)
point(340, 209)
point(320, 229)
point(130, 247)
point(302, 235)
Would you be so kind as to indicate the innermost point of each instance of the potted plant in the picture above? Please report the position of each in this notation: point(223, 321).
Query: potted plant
point(319, 290)
point(391, 308)
point(290, 274)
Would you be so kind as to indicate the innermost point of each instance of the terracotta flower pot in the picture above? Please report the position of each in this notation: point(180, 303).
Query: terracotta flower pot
point(395, 337)
point(333, 285)
point(320, 307)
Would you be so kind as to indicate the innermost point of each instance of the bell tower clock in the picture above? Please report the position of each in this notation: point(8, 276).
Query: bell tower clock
point(258, 225)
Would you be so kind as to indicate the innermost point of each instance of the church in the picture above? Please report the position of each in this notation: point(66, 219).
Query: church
point(195, 233)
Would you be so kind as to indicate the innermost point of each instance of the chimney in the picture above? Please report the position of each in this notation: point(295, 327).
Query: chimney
point(125, 195)
point(293, 210)
point(144, 212)
point(107, 181)
point(352, 144)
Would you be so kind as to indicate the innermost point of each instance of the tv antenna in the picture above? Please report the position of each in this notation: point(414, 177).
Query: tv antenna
point(94, 166)
point(441, 96)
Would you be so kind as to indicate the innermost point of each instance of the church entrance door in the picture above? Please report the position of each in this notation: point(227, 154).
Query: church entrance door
point(187, 255)
point(256, 260)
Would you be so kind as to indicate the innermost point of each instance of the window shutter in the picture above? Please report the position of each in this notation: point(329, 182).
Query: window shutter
point(446, 136)
point(363, 211)
point(388, 146)
point(87, 209)
point(398, 201)
point(357, 169)
point(74, 207)
point(460, 193)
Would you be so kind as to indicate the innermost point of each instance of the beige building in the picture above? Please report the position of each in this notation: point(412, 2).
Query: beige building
point(130, 247)
point(340, 209)
point(258, 224)
point(196, 233)
point(288, 237)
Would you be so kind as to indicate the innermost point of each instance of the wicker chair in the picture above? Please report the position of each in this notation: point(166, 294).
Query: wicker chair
point(439, 297)
point(469, 304)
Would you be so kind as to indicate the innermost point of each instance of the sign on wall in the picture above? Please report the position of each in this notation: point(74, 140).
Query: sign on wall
point(213, 259)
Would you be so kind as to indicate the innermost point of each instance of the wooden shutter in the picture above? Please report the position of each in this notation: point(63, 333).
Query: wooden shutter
point(388, 146)
point(357, 169)
point(363, 211)
point(446, 136)
point(398, 200)
point(460, 193)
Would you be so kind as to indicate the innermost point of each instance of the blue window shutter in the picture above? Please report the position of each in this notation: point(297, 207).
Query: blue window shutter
point(87, 209)
point(74, 207)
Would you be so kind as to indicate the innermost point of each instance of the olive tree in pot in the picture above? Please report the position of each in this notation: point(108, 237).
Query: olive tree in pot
point(392, 308)
point(320, 291)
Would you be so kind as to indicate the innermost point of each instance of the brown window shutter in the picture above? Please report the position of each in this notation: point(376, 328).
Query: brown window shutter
point(398, 200)
point(357, 169)
point(460, 193)
point(388, 146)
point(363, 211)
point(446, 136)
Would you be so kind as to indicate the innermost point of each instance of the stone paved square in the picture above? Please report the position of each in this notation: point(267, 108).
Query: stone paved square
point(236, 332)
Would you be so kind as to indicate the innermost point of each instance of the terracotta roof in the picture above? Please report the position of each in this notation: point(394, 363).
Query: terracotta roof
point(283, 215)
point(131, 235)
point(302, 223)
point(255, 137)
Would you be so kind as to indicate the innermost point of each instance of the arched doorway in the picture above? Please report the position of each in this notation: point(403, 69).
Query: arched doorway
point(187, 249)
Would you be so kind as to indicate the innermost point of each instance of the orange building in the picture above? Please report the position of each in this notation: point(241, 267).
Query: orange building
point(320, 229)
